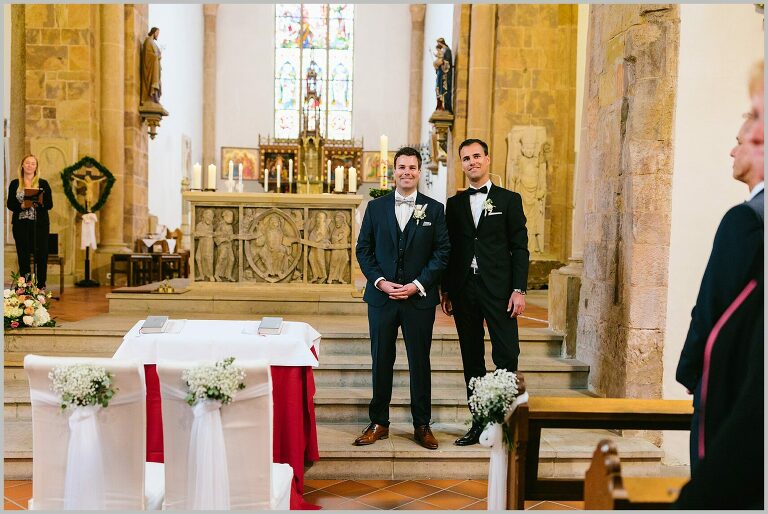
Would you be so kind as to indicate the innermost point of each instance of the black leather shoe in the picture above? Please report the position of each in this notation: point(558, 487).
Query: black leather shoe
point(471, 437)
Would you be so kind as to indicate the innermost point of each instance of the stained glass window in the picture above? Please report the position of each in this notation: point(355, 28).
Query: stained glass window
point(317, 36)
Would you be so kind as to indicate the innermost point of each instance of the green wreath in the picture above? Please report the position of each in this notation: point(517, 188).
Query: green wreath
point(86, 162)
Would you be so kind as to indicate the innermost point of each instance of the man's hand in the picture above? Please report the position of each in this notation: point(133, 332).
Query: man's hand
point(516, 305)
point(446, 305)
point(404, 292)
point(388, 287)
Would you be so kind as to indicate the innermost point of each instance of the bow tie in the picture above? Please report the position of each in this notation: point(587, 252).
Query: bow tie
point(405, 201)
point(483, 190)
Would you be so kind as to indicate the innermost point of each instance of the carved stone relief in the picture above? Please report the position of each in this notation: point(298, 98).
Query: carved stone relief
point(272, 248)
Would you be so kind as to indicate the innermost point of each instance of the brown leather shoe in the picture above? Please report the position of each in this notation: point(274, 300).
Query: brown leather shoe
point(425, 437)
point(371, 434)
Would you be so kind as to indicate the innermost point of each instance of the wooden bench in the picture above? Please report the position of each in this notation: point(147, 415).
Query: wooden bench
point(528, 420)
point(606, 489)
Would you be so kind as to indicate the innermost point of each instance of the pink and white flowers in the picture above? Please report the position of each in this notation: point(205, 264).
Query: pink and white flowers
point(24, 306)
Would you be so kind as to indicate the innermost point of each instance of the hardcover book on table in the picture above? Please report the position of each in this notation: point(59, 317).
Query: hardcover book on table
point(270, 326)
point(154, 325)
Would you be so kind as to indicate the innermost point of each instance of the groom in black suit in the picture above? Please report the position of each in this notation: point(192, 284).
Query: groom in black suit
point(487, 272)
point(402, 250)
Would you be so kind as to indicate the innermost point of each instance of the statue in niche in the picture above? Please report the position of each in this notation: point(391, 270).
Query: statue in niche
point(225, 256)
point(274, 248)
point(320, 240)
point(339, 253)
point(204, 250)
point(443, 65)
point(527, 165)
point(151, 88)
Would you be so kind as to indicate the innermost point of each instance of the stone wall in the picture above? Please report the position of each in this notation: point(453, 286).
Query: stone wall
point(531, 53)
point(627, 149)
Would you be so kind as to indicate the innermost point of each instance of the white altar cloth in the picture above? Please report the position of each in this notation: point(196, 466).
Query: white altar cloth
point(219, 339)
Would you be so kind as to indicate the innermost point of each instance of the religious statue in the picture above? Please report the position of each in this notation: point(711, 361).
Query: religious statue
point(443, 65)
point(339, 255)
point(320, 239)
point(92, 187)
point(204, 250)
point(274, 247)
point(225, 256)
point(527, 165)
point(151, 89)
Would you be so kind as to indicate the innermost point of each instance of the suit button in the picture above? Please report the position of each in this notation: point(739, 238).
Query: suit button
point(475, 239)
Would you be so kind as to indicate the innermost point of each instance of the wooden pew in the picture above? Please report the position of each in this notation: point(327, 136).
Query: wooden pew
point(606, 489)
point(541, 412)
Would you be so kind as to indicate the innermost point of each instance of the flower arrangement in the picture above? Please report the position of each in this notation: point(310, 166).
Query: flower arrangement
point(377, 192)
point(82, 384)
point(25, 304)
point(219, 381)
point(419, 212)
point(488, 206)
point(492, 397)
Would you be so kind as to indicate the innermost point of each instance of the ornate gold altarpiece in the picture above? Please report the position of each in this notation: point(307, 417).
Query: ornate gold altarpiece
point(262, 239)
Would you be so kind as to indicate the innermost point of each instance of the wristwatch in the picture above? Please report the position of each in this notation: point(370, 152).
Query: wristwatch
point(519, 291)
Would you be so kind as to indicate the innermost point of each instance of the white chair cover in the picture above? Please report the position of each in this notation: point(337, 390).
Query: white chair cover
point(221, 458)
point(88, 457)
point(493, 438)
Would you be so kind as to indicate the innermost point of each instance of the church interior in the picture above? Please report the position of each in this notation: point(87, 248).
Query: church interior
point(215, 161)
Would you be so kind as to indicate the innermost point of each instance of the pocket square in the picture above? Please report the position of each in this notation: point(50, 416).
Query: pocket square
point(427, 223)
point(494, 213)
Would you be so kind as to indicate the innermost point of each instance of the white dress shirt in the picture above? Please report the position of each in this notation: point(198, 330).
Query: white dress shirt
point(403, 213)
point(476, 204)
point(755, 190)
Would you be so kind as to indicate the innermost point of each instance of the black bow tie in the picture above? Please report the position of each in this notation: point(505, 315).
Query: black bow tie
point(483, 190)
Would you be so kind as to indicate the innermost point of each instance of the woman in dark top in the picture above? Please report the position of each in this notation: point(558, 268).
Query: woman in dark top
point(30, 218)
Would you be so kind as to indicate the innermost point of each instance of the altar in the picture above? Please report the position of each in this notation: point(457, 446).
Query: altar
point(259, 239)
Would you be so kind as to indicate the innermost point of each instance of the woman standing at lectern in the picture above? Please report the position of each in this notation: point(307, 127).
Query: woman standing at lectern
point(30, 218)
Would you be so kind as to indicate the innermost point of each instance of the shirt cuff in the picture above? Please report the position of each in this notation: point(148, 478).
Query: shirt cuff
point(376, 283)
point(419, 287)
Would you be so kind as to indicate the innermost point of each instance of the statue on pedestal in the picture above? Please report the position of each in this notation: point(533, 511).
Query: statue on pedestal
point(151, 88)
point(443, 65)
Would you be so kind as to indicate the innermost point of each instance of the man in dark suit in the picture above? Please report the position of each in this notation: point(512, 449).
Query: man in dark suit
point(402, 250)
point(487, 271)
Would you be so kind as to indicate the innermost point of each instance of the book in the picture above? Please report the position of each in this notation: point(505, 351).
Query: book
point(270, 326)
point(154, 325)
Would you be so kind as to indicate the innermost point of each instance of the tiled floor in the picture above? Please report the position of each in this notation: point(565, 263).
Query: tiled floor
point(364, 495)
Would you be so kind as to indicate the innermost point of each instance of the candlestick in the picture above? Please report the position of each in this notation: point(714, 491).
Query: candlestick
point(328, 179)
point(352, 180)
point(197, 176)
point(279, 171)
point(383, 162)
point(290, 174)
point(339, 179)
point(212, 176)
point(266, 180)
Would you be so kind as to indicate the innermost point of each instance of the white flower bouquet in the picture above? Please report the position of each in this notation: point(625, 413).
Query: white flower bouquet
point(82, 384)
point(25, 304)
point(492, 397)
point(219, 381)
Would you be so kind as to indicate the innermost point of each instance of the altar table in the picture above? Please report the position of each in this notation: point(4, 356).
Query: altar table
point(292, 354)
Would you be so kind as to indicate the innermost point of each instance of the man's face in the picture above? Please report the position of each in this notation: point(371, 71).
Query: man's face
point(407, 172)
point(756, 133)
point(475, 163)
point(742, 154)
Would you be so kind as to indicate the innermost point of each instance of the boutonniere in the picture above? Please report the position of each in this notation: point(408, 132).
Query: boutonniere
point(488, 206)
point(419, 212)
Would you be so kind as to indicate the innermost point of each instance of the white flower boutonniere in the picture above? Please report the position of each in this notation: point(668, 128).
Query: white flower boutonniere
point(488, 206)
point(419, 212)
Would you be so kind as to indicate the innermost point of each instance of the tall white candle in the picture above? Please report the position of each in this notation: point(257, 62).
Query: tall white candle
point(240, 172)
point(328, 179)
point(339, 179)
point(266, 180)
point(197, 176)
point(211, 176)
point(352, 180)
point(383, 162)
point(279, 171)
point(290, 174)
point(231, 170)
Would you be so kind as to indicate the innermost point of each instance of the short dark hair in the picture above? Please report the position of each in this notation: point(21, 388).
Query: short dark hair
point(152, 31)
point(468, 142)
point(409, 152)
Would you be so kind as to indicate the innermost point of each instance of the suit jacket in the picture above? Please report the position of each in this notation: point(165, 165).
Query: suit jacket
point(500, 243)
point(737, 256)
point(426, 249)
point(42, 213)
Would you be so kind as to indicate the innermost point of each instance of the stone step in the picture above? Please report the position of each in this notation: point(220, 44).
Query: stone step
point(564, 453)
point(540, 372)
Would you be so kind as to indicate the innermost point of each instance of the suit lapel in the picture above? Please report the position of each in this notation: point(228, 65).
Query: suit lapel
point(467, 208)
point(411, 227)
point(483, 214)
point(390, 218)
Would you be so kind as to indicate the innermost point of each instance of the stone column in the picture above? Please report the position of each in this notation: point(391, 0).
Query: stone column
point(18, 103)
point(209, 85)
point(482, 39)
point(418, 12)
point(112, 147)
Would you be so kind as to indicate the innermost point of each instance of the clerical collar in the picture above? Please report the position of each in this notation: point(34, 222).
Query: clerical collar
point(401, 197)
point(487, 185)
point(755, 190)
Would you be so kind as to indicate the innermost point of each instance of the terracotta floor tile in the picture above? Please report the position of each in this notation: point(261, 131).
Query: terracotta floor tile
point(355, 505)
point(417, 505)
point(574, 504)
point(386, 499)
point(14, 483)
point(449, 500)
point(441, 484)
point(547, 505)
point(20, 494)
point(379, 484)
point(414, 489)
point(9, 505)
point(350, 489)
point(474, 488)
point(481, 505)
point(319, 484)
point(325, 499)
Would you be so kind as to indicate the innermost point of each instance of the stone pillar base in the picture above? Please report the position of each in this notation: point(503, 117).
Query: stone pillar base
point(564, 289)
